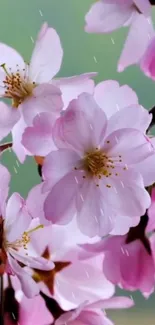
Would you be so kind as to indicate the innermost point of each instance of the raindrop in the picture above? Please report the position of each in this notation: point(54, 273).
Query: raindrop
point(15, 170)
point(76, 180)
point(95, 59)
point(122, 250)
point(117, 106)
point(127, 253)
point(32, 39)
point(87, 274)
point(96, 219)
point(113, 42)
point(81, 196)
point(41, 14)
point(73, 295)
point(116, 139)
point(122, 184)
point(101, 211)
point(17, 163)
point(91, 126)
point(13, 315)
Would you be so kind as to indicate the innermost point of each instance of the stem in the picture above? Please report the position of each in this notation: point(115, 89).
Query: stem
point(1, 301)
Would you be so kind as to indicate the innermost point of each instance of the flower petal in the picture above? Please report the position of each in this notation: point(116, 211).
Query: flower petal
point(106, 17)
point(47, 56)
point(34, 205)
point(141, 25)
point(8, 118)
point(45, 98)
point(38, 138)
point(17, 133)
point(131, 144)
point(17, 218)
point(112, 97)
point(82, 125)
point(61, 209)
point(29, 287)
point(134, 116)
point(126, 195)
point(72, 87)
point(58, 164)
point(147, 63)
point(5, 178)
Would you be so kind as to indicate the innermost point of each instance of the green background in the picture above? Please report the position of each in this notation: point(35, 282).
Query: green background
point(19, 23)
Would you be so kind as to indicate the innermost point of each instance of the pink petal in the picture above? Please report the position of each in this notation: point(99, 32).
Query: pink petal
point(144, 6)
point(81, 282)
point(35, 206)
point(134, 116)
point(29, 287)
point(60, 209)
point(113, 303)
point(17, 133)
point(141, 25)
point(127, 195)
point(112, 97)
point(5, 180)
point(39, 263)
point(104, 17)
point(93, 215)
point(58, 164)
point(8, 118)
point(47, 56)
point(131, 144)
point(38, 138)
point(147, 170)
point(72, 87)
point(46, 98)
point(17, 218)
point(147, 63)
point(34, 311)
point(12, 60)
point(82, 126)
point(123, 224)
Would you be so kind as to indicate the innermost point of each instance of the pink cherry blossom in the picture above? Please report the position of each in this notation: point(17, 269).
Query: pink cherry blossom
point(75, 279)
point(15, 230)
point(106, 16)
point(120, 103)
point(84, 137)
point(128, 264)
point(89, 314)
point(31, 87)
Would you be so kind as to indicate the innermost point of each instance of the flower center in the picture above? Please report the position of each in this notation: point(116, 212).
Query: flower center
point(23, 242)
point(17, 87)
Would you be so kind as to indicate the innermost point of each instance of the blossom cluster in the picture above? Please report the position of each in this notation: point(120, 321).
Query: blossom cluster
point(88, 226)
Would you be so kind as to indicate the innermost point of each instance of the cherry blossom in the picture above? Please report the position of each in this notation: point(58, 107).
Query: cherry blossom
point(88, 314)
point(76, 276)
point(84, 137)
point(31, 87)
point(15, 236)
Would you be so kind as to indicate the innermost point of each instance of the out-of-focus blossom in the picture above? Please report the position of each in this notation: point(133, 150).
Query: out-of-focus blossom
point(128, 261)
point(89, 314)
point(106, 16)
point(74, 279)
point(15, 237)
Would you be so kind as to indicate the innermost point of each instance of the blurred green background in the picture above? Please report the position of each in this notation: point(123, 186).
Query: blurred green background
point(19, 23)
